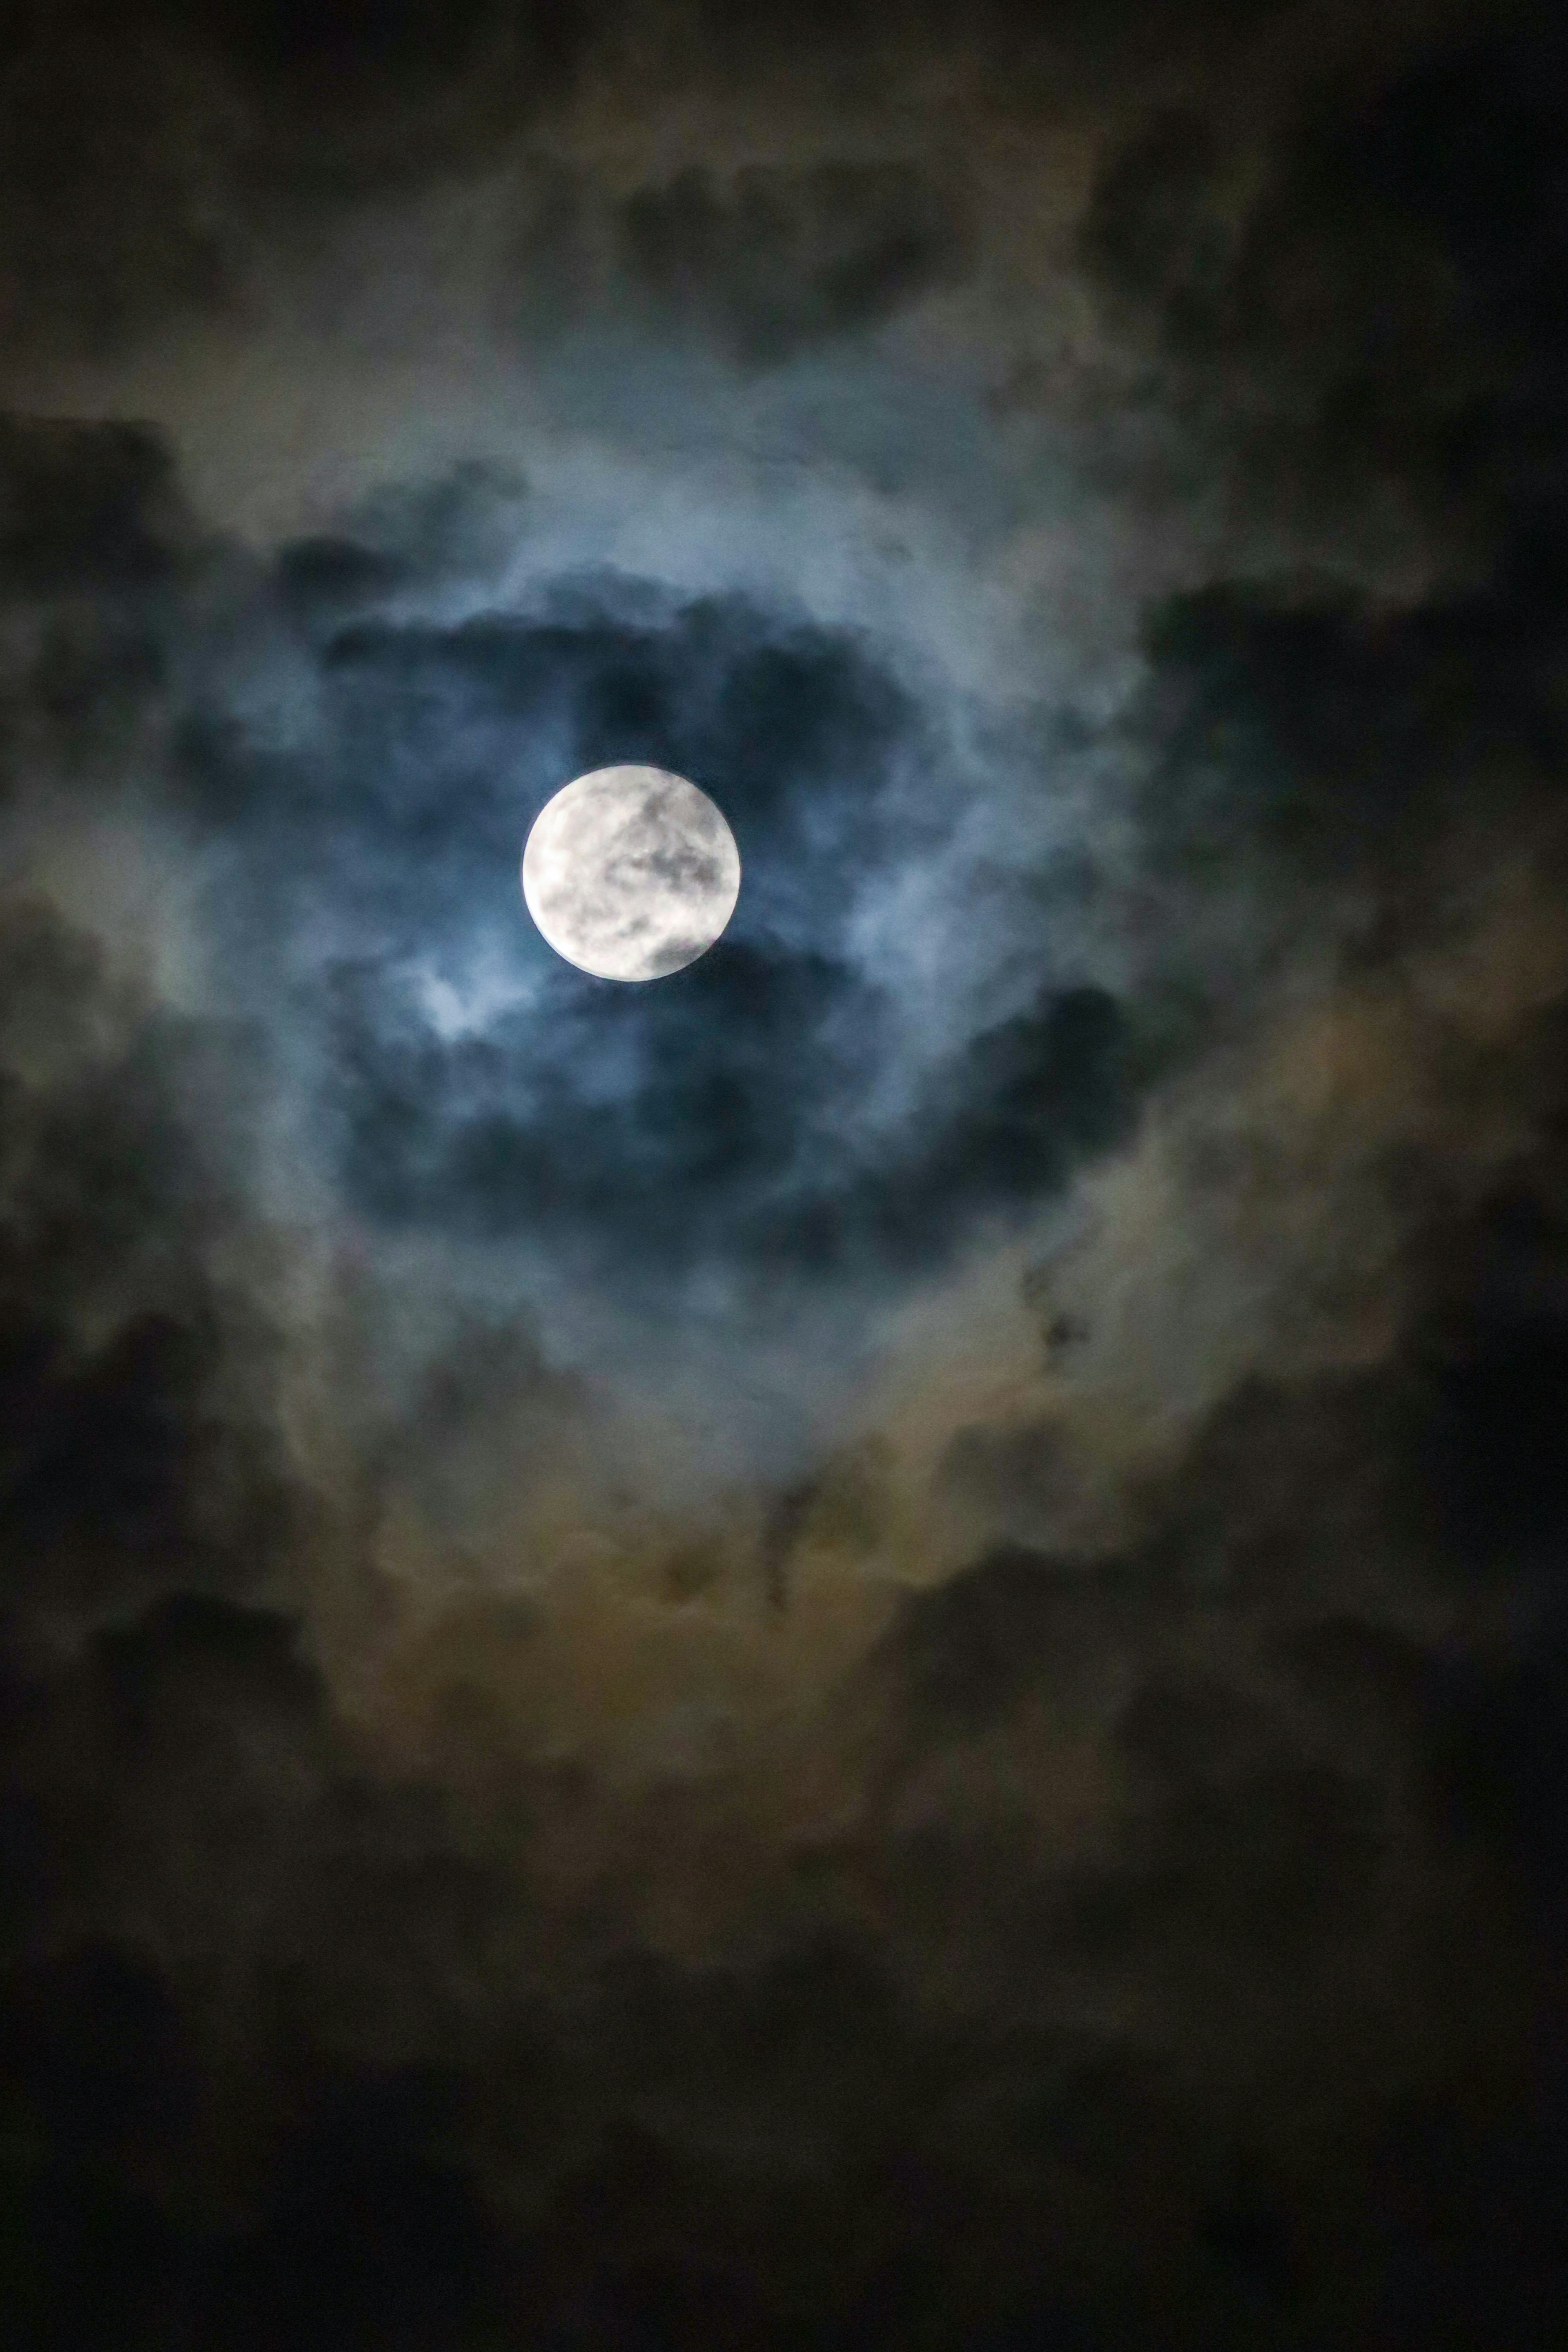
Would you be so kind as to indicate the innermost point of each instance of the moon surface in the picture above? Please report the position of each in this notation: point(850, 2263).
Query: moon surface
point(631, 873)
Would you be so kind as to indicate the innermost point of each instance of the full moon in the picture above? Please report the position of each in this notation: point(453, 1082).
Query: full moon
point(630, 873)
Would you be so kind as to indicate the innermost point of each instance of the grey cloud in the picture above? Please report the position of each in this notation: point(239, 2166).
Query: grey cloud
point(402, 540)
point(776, 260)
point(106, 185)
point(415, 2041)
point(1354, 311)
point(139, 1453)
point(154, 163)
point(87, 510)
point(1015, 1623)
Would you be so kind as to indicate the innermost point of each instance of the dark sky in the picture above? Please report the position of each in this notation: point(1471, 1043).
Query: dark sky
point(866, 1651)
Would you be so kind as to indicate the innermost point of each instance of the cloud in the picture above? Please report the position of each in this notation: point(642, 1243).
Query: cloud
point(780, 260)
point(1353, 312)
point(89, 509)
point(110, 175)
point(1056, 1840)
point(469, 1083)
point(139, 1454)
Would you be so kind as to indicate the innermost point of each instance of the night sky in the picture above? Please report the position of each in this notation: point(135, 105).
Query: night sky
point(866, 1651)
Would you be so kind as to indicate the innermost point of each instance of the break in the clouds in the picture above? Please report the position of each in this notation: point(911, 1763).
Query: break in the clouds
point(865, 1647)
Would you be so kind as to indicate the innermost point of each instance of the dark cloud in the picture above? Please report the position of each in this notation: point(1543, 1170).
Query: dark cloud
point(127, 1467)
point(775, 261)
point(413, 45)
point(94, 538)
point(108, 184)
point(153, 160)
point(1145, 231)
point(1361, 308)
point(760, 261)
point(456, 2117)
point(87, 510)
point(404, 538)
point(968, 1652)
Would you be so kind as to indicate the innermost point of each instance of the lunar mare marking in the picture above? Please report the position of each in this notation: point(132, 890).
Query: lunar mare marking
point(630, 873)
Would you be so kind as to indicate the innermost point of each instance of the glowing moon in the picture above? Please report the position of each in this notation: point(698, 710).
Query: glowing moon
point(630, 873)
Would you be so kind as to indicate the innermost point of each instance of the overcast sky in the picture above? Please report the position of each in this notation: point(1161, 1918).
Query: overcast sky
point(865, 1648)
